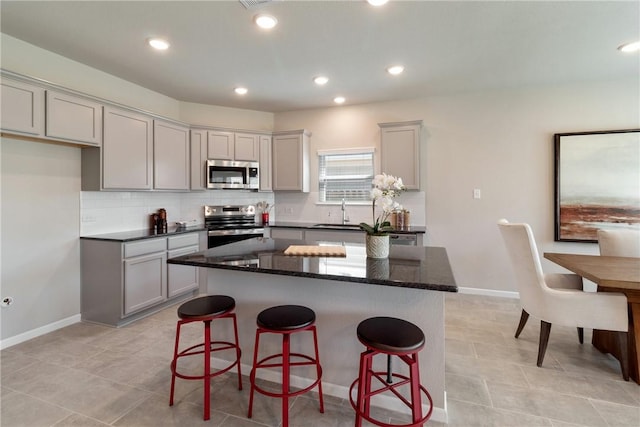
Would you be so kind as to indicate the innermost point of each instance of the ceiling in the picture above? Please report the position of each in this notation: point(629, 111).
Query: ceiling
point(446, 46)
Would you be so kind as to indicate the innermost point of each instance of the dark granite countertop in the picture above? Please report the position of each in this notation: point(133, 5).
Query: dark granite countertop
point(127, 236)
point(413, 229)
point(415, 267)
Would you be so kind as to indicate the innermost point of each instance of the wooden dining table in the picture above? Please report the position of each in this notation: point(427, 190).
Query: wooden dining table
point(611, 274)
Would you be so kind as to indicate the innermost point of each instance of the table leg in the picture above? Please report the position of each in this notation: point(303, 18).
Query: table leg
point(634, 342)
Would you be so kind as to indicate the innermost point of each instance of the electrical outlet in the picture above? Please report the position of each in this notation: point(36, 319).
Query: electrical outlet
point(288, 211)
point(6, 301)
point(476, 193)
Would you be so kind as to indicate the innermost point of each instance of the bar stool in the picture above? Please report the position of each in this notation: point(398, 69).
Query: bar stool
point(391, 337)
point(206, 309)
point(285, 320)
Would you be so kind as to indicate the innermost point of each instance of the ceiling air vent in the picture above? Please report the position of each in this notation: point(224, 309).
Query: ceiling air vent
point(254, 4)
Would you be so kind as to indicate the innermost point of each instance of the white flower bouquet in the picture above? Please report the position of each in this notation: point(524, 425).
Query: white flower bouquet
point(385, 189)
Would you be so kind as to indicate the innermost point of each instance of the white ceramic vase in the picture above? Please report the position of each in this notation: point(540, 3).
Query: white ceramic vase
point(377, 246)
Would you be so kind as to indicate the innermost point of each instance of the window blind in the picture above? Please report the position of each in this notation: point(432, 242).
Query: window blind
point(345, 175)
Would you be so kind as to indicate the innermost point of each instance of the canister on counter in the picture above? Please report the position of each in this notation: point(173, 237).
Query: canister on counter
point(407, 219)
point(404, 218)
point(400, 220)
point(393, 220)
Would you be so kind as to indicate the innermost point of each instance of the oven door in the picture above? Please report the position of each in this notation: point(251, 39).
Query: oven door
point(224, 237)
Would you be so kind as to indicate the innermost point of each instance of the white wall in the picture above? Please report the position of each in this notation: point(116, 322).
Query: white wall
point(499, 142)
point(40, 229)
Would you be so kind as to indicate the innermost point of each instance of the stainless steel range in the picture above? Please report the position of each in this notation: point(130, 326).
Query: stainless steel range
point(228, 224)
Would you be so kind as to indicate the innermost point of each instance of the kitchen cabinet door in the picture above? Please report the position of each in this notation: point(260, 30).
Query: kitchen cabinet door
point(198, 159)
point(182, 278)
point(145, 281)
point(400, 151)
point(221, 145)
point(247, 147)
point(171, 159)
point(265, 163)
point(127, 150)
point(22, 108)
point(72, 118)
point(291, 161)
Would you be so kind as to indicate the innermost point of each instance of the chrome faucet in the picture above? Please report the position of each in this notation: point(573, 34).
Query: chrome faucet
point(345, 219)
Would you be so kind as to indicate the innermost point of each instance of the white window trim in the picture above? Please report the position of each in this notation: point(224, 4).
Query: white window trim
point(362, 150)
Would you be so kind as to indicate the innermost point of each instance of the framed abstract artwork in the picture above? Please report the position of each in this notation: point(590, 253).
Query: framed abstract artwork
point(597, 183)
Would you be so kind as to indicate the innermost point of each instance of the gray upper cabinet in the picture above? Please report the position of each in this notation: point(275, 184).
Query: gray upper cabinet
point(291, 161)
point(400, 151)
point(221, 145)
point(266, 169)
point(171, 161)
point(72, 118)
point(227, 145)
point(198, 159)
point(127, 152)
point(22, 108)
point(247, 147)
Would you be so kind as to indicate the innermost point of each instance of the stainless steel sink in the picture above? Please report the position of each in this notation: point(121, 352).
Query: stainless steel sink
point(346, 226)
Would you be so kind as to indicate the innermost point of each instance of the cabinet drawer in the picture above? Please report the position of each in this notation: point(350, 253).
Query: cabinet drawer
point(287, 233)
point(183, 240)
point(144, 247)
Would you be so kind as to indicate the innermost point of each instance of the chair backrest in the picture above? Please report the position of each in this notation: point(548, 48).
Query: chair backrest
point(525, 261)
point(623, 242)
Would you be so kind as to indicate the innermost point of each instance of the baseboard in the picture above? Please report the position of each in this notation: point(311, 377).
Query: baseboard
point(340, 391)
point(26, 336)
point(489, 292)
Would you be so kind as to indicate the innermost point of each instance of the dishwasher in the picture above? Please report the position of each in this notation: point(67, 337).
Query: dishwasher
point(403, 239)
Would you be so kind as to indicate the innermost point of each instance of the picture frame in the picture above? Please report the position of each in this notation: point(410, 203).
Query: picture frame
point(597, 183)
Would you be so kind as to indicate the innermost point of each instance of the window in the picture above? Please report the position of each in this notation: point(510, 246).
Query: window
point(345, 174)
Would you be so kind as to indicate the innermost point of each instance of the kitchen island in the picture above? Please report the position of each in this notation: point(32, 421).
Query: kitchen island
point(343, 291)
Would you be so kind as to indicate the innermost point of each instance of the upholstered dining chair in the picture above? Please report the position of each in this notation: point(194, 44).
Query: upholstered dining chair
point(623, 242)
point(559, 298)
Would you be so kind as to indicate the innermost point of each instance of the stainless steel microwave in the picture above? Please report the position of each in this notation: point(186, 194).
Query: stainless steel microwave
point(227, 174)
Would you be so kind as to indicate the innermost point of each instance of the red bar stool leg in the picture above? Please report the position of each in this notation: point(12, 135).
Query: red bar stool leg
point(416, 398)
point(318, 369)
point(285, 380)
point(207, 369)
point(173, 364)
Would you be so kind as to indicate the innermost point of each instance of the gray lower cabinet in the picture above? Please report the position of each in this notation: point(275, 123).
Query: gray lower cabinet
point(145, 281)
point(124, 281)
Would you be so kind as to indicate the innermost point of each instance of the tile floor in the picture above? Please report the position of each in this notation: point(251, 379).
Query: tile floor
point(86, 376)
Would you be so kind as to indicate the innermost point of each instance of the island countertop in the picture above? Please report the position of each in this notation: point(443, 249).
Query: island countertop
point(131, 235)
point(415, 267)
point(413, 229)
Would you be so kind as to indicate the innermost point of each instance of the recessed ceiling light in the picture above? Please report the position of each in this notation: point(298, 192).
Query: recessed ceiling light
point(159, 44)
point(377, 2)
point(395, 70)
point(339, 99)
point(630, 47)
point(241, 90)
point(265, 21)
point(320, 80)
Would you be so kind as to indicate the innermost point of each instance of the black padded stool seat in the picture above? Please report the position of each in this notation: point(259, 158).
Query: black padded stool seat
point(402, 340)
point(206, 309)
point(211, 305)
point(285, 320)
point(286, 317)
point(388, 334)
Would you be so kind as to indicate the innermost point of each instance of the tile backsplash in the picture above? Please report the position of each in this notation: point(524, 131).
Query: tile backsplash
point(109, 212)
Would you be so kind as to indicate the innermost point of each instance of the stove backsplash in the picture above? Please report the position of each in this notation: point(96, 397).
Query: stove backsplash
point(108, 212)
